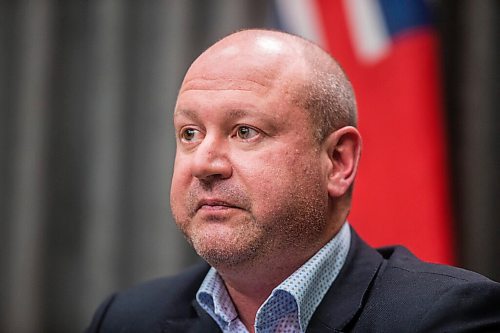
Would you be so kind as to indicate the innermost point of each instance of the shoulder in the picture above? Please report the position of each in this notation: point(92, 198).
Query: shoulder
point(401, 264)
point(432, 297)
point(147, 306)
point(168, 291)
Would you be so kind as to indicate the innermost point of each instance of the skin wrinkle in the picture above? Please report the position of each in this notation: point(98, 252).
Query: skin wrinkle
point(222, 89)
point(193, 81)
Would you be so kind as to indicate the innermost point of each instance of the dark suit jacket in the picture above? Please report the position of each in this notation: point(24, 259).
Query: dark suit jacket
point(383, 290)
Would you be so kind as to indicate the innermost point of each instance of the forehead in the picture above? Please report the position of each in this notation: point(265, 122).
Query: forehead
point(232, 99)
point(260, 75)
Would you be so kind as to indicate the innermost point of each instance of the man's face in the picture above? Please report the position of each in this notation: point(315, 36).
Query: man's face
point(249, 179)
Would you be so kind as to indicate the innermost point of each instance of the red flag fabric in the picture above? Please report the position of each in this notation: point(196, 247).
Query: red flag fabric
point(389, 51)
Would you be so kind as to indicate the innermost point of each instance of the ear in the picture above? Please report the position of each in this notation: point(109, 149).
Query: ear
point(344, 150)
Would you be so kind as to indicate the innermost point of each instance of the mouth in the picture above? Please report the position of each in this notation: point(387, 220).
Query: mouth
point(215, 204)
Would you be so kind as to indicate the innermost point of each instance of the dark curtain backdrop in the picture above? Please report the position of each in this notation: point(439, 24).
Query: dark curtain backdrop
point(86, 144)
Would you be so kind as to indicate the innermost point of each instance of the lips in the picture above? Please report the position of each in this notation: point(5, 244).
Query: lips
point(215, 204)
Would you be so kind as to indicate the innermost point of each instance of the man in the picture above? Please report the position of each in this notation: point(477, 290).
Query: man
point(267, 152)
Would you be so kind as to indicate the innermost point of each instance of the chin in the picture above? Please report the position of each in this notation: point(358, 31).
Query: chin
point(225, 258)
point(226, 250)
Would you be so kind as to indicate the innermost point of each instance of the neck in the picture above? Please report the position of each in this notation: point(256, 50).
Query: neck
point(250, 284)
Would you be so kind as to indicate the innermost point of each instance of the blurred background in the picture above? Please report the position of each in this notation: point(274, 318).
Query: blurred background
point(87, 89)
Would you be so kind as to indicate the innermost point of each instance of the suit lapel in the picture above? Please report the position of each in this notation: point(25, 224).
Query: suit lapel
point(199, 322)
point(190, 317)
point(346, 296)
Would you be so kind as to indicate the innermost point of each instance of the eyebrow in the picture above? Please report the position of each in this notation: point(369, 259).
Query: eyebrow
point(186, 112)
point(238, 113)
point(233, 114)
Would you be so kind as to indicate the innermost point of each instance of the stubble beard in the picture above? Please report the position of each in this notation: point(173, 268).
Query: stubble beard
point(226, 249)
point(291, 228)
point(221, 242)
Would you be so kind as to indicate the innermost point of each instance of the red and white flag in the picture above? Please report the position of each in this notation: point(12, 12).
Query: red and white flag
point(388, 49)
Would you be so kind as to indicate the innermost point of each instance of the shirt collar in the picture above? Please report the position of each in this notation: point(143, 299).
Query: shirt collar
point(214, 299)
point(309, 284)
point(306, 286)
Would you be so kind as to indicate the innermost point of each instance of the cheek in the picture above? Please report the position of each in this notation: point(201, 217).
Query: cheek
point(273, 178)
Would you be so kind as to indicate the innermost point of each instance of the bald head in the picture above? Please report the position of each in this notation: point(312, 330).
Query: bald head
point(308, 76)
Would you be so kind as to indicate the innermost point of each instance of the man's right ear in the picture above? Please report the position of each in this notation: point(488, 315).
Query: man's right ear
point(344, 150)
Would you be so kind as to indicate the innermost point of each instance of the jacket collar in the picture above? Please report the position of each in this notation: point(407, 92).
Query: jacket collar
point(187, 316)
point(346, 297)
point(199, 322)
point(339, 308)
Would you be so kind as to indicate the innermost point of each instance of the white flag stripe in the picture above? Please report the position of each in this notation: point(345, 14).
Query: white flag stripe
point(301, 17)
point(368, 31)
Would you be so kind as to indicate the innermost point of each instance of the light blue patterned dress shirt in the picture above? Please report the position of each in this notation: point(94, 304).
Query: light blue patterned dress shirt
point(291, 304)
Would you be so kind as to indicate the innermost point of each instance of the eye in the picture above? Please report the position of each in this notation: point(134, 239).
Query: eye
point(246, 132)
point(189, 134)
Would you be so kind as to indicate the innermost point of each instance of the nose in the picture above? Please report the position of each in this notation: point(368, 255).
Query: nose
point(211, 160)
